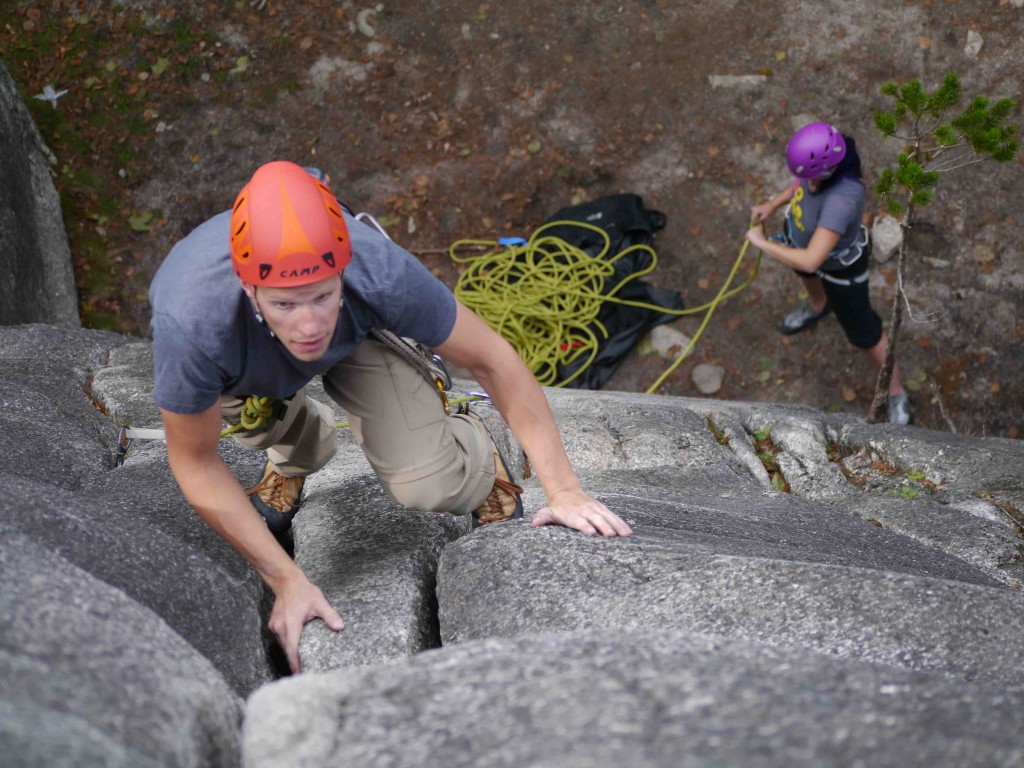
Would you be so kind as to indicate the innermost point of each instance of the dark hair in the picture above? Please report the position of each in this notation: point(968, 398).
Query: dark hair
point(849, 166)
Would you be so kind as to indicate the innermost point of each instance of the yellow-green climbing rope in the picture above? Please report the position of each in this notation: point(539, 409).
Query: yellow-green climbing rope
point(544, 297)
point(253, 416)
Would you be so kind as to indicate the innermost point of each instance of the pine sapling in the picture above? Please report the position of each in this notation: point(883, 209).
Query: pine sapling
point(934, 144)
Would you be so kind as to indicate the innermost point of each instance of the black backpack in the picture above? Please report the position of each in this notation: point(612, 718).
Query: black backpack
point(627, 222)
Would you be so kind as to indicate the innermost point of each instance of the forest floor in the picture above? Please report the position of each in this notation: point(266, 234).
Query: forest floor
point(453, 120)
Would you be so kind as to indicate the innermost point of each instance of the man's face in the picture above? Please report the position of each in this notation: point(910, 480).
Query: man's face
point(303, 318)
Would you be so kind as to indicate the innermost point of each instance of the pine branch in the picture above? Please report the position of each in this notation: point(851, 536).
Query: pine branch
point(942, 166)
point(947, 147)
point(957, 167)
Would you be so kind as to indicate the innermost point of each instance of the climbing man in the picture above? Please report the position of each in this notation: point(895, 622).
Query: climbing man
point(286, 286)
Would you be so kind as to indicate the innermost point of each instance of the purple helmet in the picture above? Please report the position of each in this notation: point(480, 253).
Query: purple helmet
point(815, 150)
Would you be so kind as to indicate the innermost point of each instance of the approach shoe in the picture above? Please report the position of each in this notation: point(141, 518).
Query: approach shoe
point(899, 408)
point(505, 501)
point(802, 318)
point(277, 499)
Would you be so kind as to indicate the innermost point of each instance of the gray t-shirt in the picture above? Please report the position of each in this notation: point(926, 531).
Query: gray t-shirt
point(840, 208)
point(207, 342)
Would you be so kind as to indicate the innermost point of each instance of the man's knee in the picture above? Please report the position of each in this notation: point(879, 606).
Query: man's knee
point(425, 494)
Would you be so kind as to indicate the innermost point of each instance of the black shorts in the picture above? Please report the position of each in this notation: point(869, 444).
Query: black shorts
point(852, 302)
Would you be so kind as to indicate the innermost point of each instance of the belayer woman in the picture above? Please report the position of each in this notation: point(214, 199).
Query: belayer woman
point(827, 245)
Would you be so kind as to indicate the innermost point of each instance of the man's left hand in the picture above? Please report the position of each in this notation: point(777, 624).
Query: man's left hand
point(575, 509)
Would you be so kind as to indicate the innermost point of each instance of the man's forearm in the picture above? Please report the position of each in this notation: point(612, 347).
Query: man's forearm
point(217, 497)
point(522, 403)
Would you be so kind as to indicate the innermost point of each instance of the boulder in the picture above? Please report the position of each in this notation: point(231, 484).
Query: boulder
point(642, 698)
point(91, 677)
point(36, 281)
point(857, 598)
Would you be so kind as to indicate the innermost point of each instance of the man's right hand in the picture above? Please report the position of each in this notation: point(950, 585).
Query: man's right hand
point(218, 498)
point(298, 602)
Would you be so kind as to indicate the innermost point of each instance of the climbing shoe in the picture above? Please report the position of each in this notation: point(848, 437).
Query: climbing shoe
point(899, 408)
point(504, 502)
point(277, 499)
point(802, 318)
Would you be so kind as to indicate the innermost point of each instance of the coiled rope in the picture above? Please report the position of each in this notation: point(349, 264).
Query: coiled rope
point(544, 297)
point(253, 416)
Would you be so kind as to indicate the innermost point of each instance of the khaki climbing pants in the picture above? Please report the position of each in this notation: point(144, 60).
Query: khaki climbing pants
point(423, 458)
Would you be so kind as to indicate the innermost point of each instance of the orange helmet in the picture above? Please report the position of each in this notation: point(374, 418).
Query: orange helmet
point(287, 229)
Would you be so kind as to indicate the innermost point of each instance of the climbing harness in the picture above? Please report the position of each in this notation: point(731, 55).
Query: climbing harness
point(257, 411)
point(429, 365)
point(127, 435)
point(862, 277)
point(845, 257)
point(544, 296)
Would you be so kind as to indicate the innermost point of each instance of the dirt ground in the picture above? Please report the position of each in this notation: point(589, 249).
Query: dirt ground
point(451, 119)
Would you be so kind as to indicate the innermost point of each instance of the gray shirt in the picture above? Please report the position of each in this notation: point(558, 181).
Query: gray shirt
point(207, 342)
point(840, 208)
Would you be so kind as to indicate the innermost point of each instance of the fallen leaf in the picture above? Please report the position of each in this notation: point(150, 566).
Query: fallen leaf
point(924, 342)
point(141, 221)
point(995, 388)
point(914, 383)
point(849, 394)
point(983, 254)
point(924, 42)
point(703, 283)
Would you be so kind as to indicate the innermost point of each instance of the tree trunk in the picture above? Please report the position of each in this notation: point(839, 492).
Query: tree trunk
point(881, 398)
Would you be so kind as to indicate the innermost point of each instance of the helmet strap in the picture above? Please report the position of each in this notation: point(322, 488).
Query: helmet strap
point(259, 315)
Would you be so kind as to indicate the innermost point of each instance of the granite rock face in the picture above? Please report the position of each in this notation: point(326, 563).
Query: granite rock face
point(870, 614)
point(36, 281)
